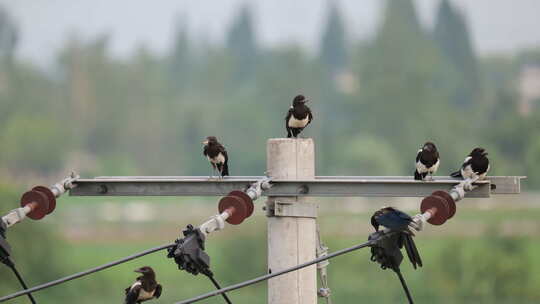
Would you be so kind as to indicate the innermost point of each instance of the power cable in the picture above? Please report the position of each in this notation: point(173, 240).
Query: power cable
point(21, 280)
point(211, 277)
point(275, 274)
point(85, 273)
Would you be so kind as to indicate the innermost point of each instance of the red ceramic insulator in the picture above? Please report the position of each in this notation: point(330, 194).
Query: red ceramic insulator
point(247, 200)
point(50, 197)
point(449, 200)
point(236, 207)
point(438, 208)
point(39, 204)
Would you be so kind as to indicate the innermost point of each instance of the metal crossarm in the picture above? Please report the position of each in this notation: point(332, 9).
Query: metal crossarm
point(320, 186)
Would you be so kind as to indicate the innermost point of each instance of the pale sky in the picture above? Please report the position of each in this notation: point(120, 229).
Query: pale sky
point(496, 25)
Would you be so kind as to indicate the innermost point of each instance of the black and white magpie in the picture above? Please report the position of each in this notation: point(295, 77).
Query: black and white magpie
point(217, 156)
point(145, 287)
point(475, 166)
point(427, 161)
point(298, 117)
point(397, 220)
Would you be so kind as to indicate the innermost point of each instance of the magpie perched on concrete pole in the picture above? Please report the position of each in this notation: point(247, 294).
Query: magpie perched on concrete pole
point(427, 162)
point(216, 155)
point(145, 287)
point(298, 117)
point(475, 166)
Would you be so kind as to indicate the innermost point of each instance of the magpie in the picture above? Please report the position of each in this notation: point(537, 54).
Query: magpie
point(298, 117)
point(397, 220)
point(217, 156)
point(427, 161)
point(475, 166)
point(145, 287)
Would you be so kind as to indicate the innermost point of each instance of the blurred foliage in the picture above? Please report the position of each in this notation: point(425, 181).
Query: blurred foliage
point(492, 270)
point(453, 39)
point(333, 52)
point(375, 101)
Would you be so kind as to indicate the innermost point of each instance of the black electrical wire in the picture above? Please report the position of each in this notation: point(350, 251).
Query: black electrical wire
point(23, 284)
point(275, 274)
point(85, 273)
point(211, 277)
point(405, 288)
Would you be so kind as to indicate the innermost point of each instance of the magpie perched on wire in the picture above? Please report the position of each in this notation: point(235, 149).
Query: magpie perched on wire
point(397, 220)
point(475, 166)
point(298, 117)
point(427, 161)
point(217, 156)
point(145, 287)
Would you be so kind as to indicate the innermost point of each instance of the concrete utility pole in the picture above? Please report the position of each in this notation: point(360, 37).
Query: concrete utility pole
point(291, 223)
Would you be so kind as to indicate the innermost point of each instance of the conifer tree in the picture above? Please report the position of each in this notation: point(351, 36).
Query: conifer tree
point(242, 44)
point(333, 48)
point(451, 35)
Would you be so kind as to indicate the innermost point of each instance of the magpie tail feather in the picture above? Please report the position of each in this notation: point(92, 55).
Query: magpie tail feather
point(417, 176)
point(412, 251)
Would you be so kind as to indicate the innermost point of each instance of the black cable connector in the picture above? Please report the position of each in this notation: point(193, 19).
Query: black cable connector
point(190, 256)
point(385, 251)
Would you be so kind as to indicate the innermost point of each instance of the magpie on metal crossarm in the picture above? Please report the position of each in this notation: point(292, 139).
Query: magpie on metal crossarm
point(397, 220)
point(427, 162)
point(475, 166)
point(216, 155)
point(298, 117)
point(145, 287)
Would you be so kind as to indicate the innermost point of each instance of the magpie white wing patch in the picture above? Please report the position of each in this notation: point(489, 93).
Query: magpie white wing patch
point(467, 172)
point(421, 168)
point(137, 283)
point(143, 294)
point(435, 167)
point(219, 159)
point(298, 123)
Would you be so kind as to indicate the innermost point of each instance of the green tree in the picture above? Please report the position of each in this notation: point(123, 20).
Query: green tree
point(402, 95)
point(451, 34)
point(333, 49)
point(179, 58)
point(32, 144)
point(9, 35)
point(242, 44)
